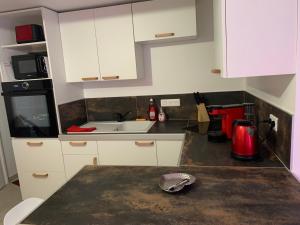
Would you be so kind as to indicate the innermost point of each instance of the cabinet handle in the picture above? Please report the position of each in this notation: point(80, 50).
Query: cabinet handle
point(144, 143)
point(95, 161)
point(34, 144)
point(78, 144)
point(216, 71)
point(89, 78)
point(161, 35)
point(40, 175)
point(110, 77)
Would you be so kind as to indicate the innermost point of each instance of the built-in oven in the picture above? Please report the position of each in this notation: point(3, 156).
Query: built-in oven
point(30, 108)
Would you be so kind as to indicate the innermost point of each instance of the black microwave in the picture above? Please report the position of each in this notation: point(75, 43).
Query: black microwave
point(30, 66)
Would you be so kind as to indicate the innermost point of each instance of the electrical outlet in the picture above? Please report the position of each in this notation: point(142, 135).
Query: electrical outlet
point(275, 119)
point(170, 102)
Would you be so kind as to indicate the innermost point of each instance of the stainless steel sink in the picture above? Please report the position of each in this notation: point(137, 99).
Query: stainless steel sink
point(120, 127)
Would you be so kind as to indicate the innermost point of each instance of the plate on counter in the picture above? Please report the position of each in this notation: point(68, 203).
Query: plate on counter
point(175, 182)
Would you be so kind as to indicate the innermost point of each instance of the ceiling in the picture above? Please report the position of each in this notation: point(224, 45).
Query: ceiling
point(58, 5)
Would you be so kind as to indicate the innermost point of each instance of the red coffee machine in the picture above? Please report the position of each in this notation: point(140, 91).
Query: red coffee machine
point(227, 113)
point(244, 140)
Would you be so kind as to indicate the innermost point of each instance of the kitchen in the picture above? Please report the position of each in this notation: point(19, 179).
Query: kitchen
point(168, 69)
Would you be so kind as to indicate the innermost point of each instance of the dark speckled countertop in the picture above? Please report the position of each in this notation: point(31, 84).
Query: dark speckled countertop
point(131, 196)
point(198, 151)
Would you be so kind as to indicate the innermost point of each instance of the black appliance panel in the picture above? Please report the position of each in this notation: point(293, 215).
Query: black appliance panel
point(30, 109)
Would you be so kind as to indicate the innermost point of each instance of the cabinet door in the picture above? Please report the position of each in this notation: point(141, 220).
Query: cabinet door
point(127, 153)
point(79, 45)
point(74, 163)
point(169, 152)
point(40, 184)
point(261, 37)
point(164, 19)
point(116, 47)
point(79, 147)
point(38, 155)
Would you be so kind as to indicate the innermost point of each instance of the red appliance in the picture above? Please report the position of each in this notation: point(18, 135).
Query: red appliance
point(229, 113)
point(244, 140)
point(29, 33)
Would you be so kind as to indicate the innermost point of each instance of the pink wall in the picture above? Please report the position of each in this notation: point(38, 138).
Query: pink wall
point(295, 162)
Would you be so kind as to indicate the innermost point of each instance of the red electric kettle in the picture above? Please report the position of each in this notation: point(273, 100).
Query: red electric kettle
point(244, 140)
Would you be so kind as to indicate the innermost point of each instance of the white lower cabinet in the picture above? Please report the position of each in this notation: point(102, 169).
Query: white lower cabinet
point(127, 153)
point(40, 166)
point(40, 184)
point(169, 152)
point(74, 163)
point(78, 154)
point(44, 165)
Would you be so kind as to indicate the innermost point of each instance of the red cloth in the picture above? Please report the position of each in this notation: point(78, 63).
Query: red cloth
point(75, 128)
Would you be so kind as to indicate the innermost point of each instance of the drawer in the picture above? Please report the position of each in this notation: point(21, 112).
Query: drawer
point(38, 155)
point(79, 147)
point(127, 153)
point(40, 184)
point(74, 163)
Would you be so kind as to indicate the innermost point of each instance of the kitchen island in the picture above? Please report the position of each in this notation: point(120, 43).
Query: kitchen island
point(131, 195)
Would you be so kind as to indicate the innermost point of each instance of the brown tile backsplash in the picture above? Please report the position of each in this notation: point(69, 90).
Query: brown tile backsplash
point(279, 142)
point(106, 109)
point(72, 113)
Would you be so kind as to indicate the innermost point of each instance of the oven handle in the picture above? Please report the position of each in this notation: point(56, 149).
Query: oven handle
point(25, 93)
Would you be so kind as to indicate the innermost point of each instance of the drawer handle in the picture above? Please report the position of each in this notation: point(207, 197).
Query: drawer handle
point(40, 175)
point(216, 71)
point(95, 161)
point(161, 35)
point(89, 78)
point(34, 144)
point(110, 77)
point(78, 144)
point(144, 143)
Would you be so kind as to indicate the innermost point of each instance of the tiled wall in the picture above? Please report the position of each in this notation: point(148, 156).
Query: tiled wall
point(72, 113)
point(280, 141)
point(101, 109)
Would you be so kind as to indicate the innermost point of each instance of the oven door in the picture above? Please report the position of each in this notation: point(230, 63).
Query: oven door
point(31, 113)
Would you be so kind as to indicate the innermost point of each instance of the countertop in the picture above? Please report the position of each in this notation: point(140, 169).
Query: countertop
point(131, 196)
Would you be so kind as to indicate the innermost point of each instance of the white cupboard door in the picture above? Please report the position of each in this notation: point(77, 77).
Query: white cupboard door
point(116, 47)
point(74, 163)
point(38, 155)
point(261, 37)
point(40, 184)
point(79, 45)
point(79, 147)
point(169, 152)
point(164, 19)
point(127, 153)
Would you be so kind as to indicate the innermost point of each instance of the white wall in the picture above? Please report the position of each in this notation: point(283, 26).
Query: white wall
point(172, 68)
point(279, 91)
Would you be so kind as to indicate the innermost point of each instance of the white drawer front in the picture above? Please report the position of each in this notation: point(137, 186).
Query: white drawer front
point(79, 147)
point(127, 153)
point(40, 184)
point(169, 152)
point(74, 163)
point(38, 155)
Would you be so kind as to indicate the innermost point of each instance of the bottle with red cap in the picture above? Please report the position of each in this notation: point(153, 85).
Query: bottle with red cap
point(152, 110)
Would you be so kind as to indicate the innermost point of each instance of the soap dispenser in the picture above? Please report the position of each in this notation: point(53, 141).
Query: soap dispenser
point(161, 115)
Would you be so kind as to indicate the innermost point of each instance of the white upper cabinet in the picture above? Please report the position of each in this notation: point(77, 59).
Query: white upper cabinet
point(255, 37)
point(164, 19)
point(79, 45)
point(116, 47)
